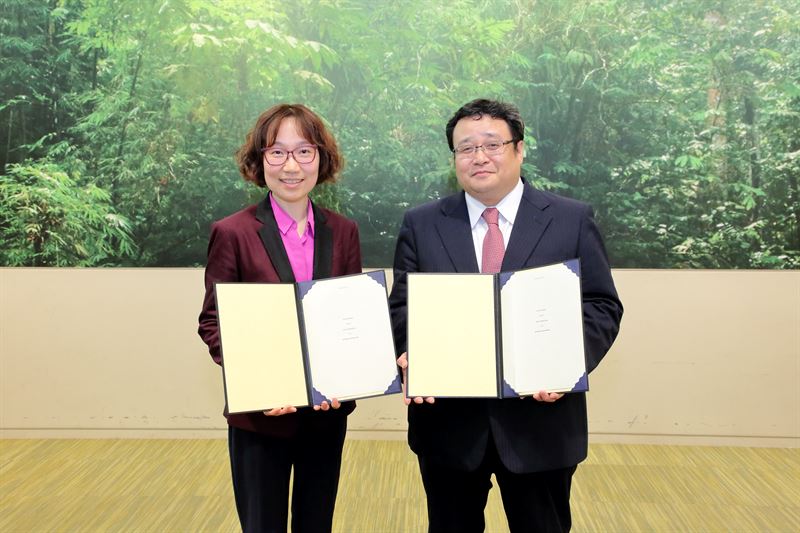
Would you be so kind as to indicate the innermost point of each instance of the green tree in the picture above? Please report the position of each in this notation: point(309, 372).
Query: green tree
point(46, 219)
point(676, 119)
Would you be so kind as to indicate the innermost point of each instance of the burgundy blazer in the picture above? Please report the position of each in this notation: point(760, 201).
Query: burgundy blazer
point(246, 246)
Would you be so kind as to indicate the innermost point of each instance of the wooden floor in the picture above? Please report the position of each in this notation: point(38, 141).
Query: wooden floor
point(184, 485)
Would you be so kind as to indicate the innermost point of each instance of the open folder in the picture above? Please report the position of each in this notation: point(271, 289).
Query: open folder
point(300, 344)
point(496, 335)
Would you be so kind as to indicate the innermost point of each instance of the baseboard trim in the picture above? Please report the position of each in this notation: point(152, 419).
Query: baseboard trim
point(399, 435)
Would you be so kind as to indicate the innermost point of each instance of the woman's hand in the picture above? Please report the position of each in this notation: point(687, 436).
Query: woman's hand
point(324, 406)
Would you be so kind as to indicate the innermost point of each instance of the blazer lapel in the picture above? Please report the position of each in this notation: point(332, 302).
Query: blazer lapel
point(323, 245)
point(271, 238)
point(529, 226)
point(456, 234)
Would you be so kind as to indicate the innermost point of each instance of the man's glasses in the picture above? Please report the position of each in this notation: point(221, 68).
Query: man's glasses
point(468, 151)
point(277, 156)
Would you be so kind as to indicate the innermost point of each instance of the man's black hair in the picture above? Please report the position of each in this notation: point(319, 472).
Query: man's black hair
point(480, 107)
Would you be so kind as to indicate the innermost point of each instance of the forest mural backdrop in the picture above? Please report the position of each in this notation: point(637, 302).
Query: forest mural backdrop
point(679, 120)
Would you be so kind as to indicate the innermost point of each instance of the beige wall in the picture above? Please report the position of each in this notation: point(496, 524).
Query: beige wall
point(704, 357)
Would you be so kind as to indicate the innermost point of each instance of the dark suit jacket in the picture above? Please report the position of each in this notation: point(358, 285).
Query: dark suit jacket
point(530, 436)
point(247, 246)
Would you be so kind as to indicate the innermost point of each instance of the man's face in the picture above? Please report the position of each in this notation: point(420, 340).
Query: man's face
point(488, 178)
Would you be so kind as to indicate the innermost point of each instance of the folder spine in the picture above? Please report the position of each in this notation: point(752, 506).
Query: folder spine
point(221, 352)
point(301, 324)
point(498, 335)
point(583, 383)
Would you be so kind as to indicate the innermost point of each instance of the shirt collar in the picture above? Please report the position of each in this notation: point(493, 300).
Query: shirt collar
point(285, 222)
point(507, 207)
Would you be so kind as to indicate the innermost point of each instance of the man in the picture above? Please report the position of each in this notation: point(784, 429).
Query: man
point(532, 445)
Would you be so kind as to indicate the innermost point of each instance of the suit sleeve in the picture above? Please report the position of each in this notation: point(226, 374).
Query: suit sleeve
point(353, 251)
point(602, 309)
point(405, 261)
point(222, 266)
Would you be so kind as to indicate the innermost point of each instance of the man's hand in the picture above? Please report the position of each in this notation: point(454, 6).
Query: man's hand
point(402, 362)
point(549, 397)
point(280, 411)
point(335, 404)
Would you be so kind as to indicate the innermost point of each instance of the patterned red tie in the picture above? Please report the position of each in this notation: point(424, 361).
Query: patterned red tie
point(493, 246)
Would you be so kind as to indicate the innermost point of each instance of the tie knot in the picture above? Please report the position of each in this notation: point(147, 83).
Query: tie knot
point(490, 215)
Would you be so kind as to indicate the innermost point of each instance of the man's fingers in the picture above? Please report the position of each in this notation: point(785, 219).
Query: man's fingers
point(402, 361)
point(278, 411)
point(548, 397)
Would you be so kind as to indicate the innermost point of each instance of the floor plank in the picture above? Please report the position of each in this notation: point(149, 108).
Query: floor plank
point(184, 485)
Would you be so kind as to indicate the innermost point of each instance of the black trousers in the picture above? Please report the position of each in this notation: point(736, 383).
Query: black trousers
point(261, 466)
point(536, 502)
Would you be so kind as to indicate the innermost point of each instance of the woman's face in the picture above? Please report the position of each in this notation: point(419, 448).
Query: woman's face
point(291, 181)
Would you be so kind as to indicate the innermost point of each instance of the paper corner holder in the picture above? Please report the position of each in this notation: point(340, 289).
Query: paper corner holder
point(379, 276)
point(303, 287)
point(509, 392)
point(574, 266)
point(318, 397)
point(582, 385)
point(395, 386)
point(503, 278)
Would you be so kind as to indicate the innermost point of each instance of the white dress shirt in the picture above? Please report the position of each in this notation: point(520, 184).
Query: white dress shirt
point(507, 207)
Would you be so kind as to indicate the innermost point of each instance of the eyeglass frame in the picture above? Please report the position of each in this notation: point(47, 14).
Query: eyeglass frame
point(291, 153)
point(474, 151)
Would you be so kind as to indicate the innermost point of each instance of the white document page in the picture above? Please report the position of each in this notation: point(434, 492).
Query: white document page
point(349, 337)
point(451, 335)
point(542, 324)
point(261, 351)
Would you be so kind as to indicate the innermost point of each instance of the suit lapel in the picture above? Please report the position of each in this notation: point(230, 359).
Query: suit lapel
point(456, 234)
point(323, 245)
point(529, 226)
point(271, 238)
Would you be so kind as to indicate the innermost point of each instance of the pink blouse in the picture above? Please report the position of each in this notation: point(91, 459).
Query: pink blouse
point(299, 248)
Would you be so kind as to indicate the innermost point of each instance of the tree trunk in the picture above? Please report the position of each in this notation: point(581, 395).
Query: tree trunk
point(794, 196)
point(576, 136)
point(8, 139)
point(95, 58)
point(752, 141)
point(128, 106)
point(715, 101)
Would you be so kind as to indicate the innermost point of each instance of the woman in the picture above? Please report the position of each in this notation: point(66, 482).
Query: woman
point(284, 238)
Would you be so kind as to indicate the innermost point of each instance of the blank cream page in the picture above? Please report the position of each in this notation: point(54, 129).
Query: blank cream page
point(451, 335)
point(261, 351)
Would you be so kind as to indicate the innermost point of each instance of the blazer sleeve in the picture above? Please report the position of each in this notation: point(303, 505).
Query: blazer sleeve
point(405, 261)
point(602, 309)
point(353, 265)
point(222, 266)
